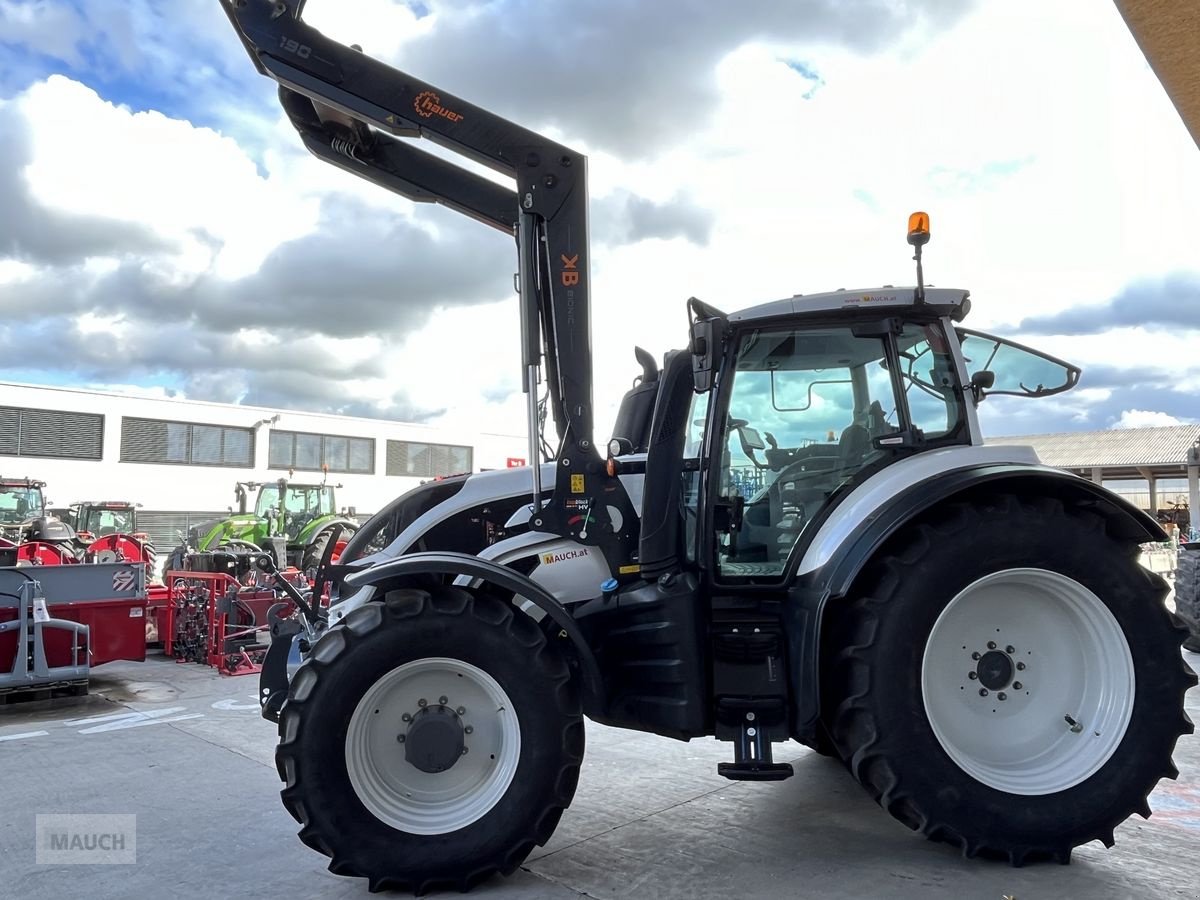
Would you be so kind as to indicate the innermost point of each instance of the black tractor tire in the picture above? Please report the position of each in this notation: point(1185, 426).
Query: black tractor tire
point(349, 659)
point(316, 548)
point(875, 698)
point(1187, 595)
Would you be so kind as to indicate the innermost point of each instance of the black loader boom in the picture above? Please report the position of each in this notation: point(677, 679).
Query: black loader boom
point(356, 113)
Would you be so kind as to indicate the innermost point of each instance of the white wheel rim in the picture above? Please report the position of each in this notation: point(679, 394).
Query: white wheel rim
point(1070, 658)
point(418, 802)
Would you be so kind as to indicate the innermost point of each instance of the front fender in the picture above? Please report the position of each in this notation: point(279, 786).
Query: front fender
point(406, 570)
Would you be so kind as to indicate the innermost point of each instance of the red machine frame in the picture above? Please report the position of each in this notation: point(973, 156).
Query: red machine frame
point(218, 632)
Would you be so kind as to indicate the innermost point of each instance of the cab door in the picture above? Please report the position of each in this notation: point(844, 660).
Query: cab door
point(805, 413)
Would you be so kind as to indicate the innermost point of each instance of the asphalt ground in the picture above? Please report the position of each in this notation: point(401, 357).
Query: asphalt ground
point(185, 750)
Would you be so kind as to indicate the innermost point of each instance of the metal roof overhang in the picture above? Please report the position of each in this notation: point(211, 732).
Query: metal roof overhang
point(1166, 31)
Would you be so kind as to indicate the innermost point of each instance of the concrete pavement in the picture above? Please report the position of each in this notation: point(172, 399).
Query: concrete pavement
point(186, 751)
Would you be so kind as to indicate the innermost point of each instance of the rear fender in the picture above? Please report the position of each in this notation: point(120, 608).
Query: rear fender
point(408, 571)
point(814, 590)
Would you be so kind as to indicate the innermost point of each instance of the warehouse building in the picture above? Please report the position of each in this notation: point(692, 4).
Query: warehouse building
point(1157, 468)
point(182, 458)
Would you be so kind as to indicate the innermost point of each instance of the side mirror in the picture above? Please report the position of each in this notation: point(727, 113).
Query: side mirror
point(705, 345)
point(982, 381)
point(351, 511)
point(707, 340)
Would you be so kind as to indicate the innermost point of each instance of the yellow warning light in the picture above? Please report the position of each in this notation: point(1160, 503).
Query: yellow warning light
point(918, 229)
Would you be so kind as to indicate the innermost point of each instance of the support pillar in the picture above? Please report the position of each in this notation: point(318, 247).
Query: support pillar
point(1194, 496)
point(1097, 475)
point(1152, 483)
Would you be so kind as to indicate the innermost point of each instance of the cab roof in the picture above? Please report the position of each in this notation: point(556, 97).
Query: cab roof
point(944, 301)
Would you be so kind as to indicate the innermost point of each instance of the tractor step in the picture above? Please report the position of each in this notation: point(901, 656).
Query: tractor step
point(752, 756)
point(755, 771)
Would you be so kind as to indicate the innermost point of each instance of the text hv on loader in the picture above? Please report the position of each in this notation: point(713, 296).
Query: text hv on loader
point(968, 630)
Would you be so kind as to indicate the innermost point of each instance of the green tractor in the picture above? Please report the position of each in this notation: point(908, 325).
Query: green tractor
point(294, 522)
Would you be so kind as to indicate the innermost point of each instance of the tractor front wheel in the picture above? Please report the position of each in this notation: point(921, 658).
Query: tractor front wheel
point(430, 741)
point(316, 549)
point(1008, 679)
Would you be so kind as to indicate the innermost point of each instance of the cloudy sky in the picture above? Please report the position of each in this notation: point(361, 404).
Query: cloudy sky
point(163, 230)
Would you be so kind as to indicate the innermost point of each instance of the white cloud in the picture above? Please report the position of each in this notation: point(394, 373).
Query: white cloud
point(1145, 418)
point(13, 271)
point(188, 185)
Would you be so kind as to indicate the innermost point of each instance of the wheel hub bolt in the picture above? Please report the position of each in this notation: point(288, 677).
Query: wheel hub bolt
point(469, 729)
point(972, 675)
point(976, 655)
point(1010, 649)
point(400, 739)
point(991, 645)
point(441, 701)
point(422, 703)
point(464, 751)
point(462, 710)
point(1017, 685)
point(406, 718)
point(1002, 695)
point(1020, 667)
point(983, 692)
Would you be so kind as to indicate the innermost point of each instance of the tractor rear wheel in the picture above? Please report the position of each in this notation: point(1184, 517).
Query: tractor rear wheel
point(430, 741)
point(1008, 679)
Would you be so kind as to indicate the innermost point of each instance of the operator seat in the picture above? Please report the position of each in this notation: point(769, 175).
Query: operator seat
point(853, 445)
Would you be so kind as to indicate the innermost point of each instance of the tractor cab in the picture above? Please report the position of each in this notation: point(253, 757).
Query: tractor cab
point(21, 500)
point(104, 518)
point(811, 396)
point(819, 393)
point(290, 507)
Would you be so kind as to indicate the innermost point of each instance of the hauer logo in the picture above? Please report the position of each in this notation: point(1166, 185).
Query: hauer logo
point(548, 558)
point(428, 104)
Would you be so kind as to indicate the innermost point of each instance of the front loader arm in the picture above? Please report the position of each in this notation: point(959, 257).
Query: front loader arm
point(402, 168)
point(356, 113)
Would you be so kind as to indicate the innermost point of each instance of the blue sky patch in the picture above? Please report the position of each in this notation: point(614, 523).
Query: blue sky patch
point(808, 73)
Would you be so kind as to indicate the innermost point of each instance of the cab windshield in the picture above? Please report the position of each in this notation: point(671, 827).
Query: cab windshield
point(316, 500)
point(100, 522)
point(18, 503)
